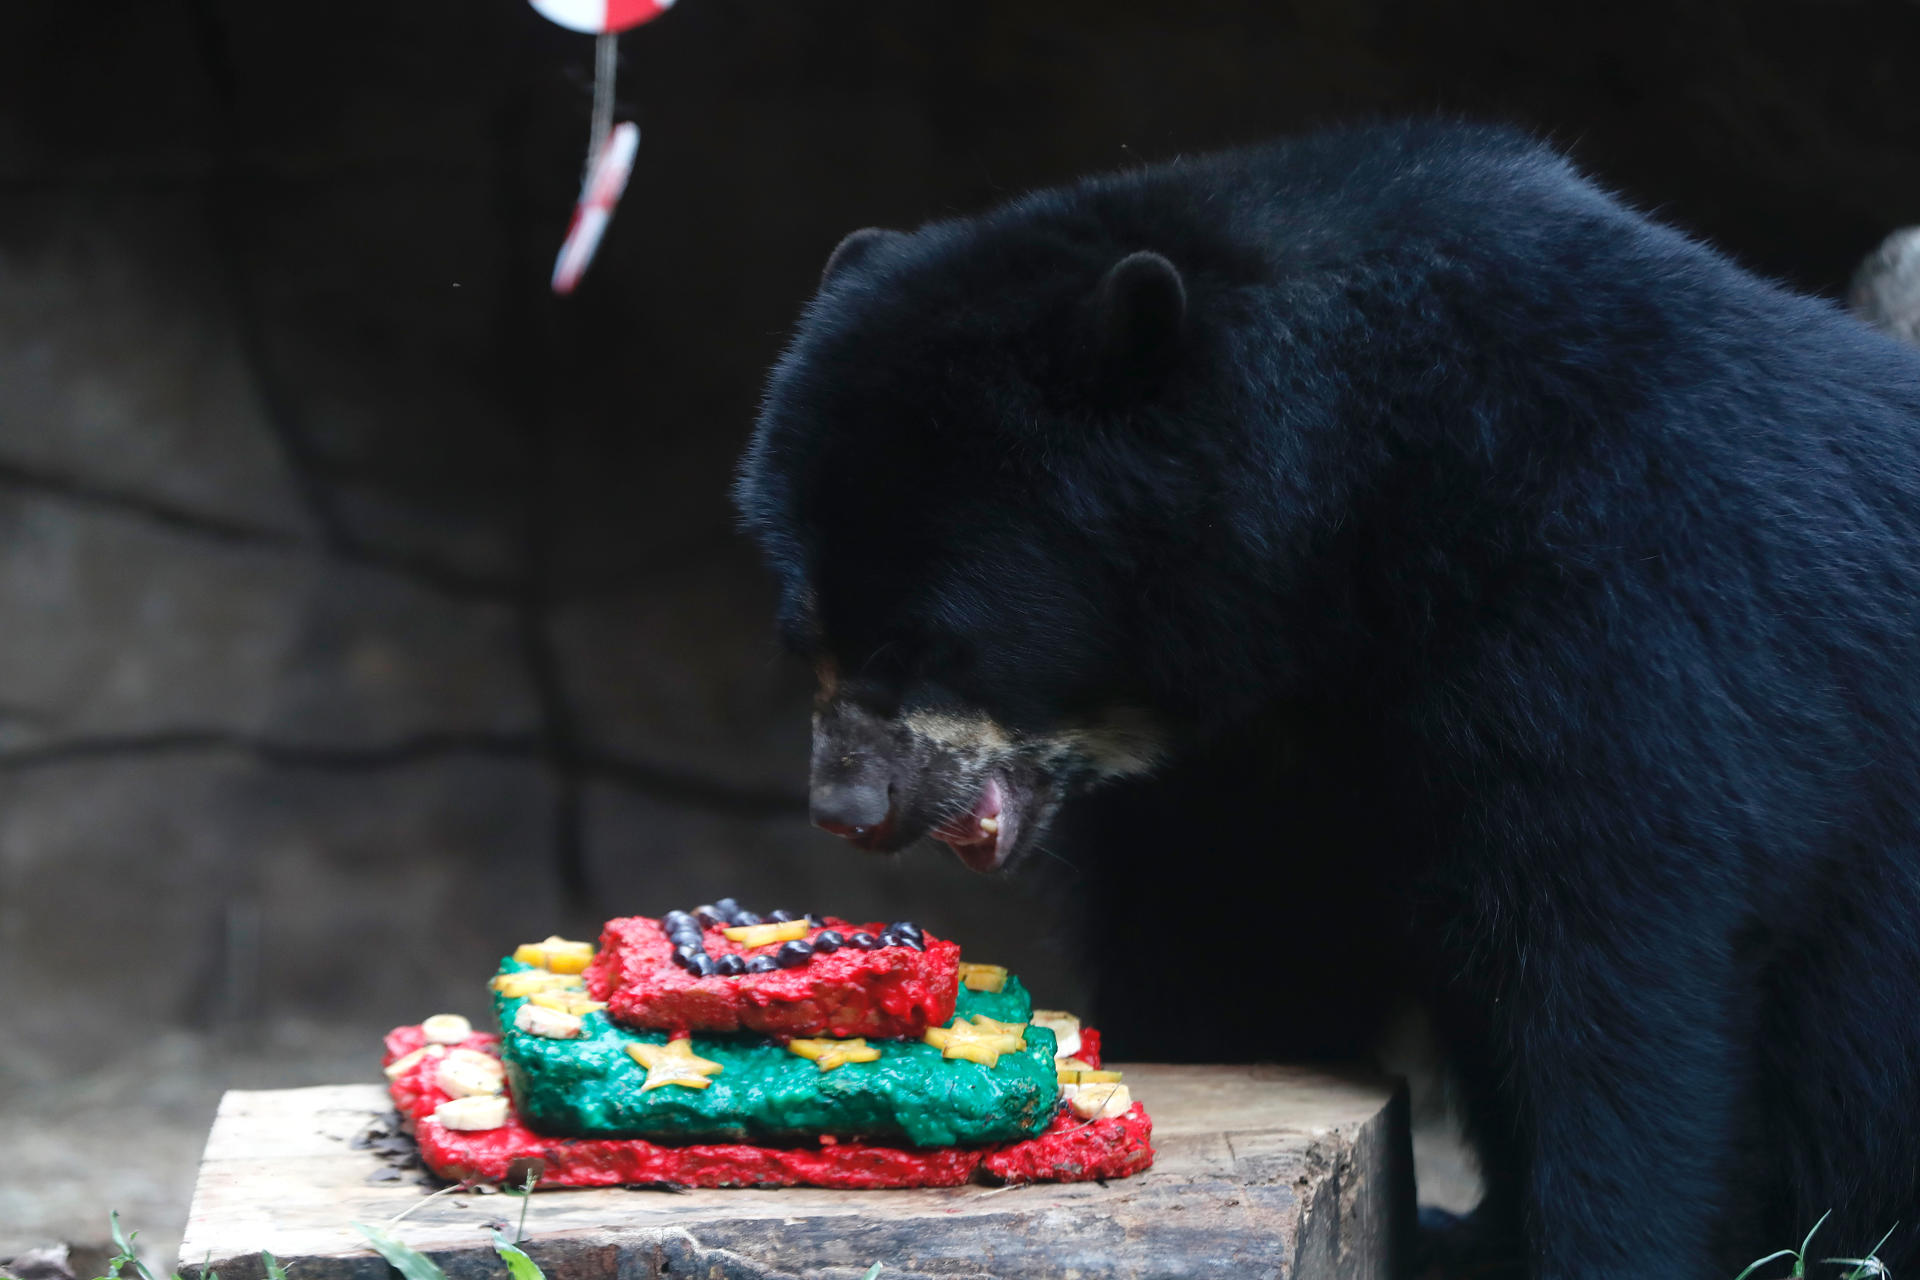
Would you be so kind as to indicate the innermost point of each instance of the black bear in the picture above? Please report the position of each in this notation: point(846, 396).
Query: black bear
point(1563, 577)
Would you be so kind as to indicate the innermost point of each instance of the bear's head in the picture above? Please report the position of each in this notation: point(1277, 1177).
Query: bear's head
point(1004, 475)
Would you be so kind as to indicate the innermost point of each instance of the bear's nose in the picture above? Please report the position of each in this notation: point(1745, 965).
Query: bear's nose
point(856, 811)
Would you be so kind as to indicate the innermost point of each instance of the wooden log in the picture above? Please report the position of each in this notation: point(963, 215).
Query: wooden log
point(1263, 1171)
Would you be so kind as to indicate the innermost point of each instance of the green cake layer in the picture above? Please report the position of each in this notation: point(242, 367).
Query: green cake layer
point(1009, 1004)
point(591, 1087)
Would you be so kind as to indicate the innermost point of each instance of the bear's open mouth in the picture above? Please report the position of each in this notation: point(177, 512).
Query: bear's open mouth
point(984, 836)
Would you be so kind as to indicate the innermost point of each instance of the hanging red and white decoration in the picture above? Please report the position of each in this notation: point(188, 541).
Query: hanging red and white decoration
point(610, 149)
point(598, 17)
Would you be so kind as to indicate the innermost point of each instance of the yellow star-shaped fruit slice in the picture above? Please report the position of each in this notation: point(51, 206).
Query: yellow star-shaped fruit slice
point(765, 935)
point(980, 1040)
point(525, 982)
point(833, 1053)
point(673, 1063)
point(577, 1003)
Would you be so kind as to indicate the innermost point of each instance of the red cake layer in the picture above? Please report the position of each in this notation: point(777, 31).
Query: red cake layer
point(894, 993)
point(1075, 1150)
point(1071, 1150)
point(1089, 1050)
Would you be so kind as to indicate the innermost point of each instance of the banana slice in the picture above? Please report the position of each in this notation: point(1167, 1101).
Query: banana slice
point(556, 954)
point(404, 1063)
point(1065, 1028)
point(446, 1028)
point(983, 977)
point(472, 1113)
point(465, 1073)
point(526, 982)
point(552, 1023)
point(1098, 1101)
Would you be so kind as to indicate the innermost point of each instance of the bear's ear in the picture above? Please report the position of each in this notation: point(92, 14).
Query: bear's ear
point(855, 247)
point(1139, 310)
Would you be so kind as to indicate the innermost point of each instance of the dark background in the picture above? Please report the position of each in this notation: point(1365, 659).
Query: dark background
point(364, 609)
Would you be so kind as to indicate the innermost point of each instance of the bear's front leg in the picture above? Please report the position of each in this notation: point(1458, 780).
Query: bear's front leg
point(1602, 1093)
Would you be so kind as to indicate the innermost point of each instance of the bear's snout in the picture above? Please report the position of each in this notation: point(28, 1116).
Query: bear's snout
point(857, 811)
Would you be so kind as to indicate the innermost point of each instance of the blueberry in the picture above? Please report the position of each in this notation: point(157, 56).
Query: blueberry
point(710, 916)
point(729, 966)
point(684, 957)
point(828, 941)
point(702, 966)
point(794, 954)
point(865, 941)
point(745, 918)
point(894, 938)
point(674, 921)
point(780, 917)
point(761, 964)
point(688, 930)
point(905, 928)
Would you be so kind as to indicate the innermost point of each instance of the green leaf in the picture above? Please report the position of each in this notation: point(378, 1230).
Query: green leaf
point(128, 1256)
point(873, 1272)
point(1775, 1256)
point(274, 1270)
point(518, 1263)
point(404, 1258)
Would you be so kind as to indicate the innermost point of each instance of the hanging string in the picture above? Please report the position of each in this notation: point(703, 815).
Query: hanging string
point(606, 64)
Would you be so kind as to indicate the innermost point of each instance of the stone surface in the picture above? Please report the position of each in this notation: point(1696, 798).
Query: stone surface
point(125, 1131)
point(129, 911)
point(120, 359)
point(1885, 291)
point(687, 671)
point(1276, 1172)
point(142, 628)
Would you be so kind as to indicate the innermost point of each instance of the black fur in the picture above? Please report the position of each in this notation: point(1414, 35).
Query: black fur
point(1573, 571)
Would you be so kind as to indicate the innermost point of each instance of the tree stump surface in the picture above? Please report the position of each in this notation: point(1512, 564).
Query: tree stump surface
point(1262, 1171)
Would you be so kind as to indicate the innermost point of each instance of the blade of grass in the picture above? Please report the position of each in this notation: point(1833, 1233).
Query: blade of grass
point(404, 1258)
point(1758, 1263)
point(873, 1272)
point(1808, 1242)
point(1862, 1267)
point(399, 1217)
point(274, 1270)
point(526, 1198)
point(1869, 1265)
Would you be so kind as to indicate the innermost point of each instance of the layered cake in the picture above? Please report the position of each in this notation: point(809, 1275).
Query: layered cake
point(717, 1048)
